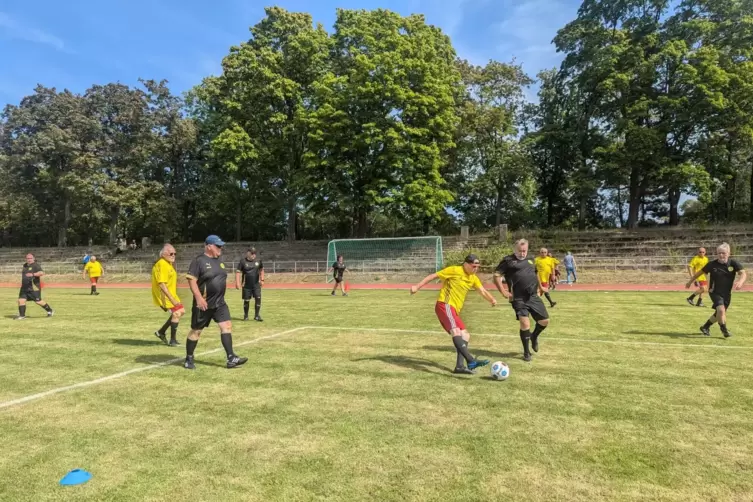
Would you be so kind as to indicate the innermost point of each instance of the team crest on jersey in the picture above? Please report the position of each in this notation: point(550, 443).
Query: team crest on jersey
point(530, 261)
point(256, 263)
point(731, 269)
point(222, 265)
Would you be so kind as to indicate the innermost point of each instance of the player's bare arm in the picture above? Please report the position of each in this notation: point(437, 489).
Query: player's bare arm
point(201, 303)
point(501, 286)
point(487, 296)
point(694, 278)
point(742, 276)
point(163, 288)
point(237, 279)
point(427, 280)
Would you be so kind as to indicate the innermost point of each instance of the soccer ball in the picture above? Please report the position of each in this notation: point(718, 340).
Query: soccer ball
point(500, 371)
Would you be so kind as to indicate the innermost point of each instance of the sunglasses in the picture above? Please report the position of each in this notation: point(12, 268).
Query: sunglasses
point(170, 254)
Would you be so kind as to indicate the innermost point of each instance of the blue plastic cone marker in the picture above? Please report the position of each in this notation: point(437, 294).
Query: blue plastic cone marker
point(75, 477)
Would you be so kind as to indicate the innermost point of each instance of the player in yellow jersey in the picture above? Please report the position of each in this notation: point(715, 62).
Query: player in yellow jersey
point(696, 265)
point(95, 270)
point(545, 265)
point(456, 282)
point(165, 294)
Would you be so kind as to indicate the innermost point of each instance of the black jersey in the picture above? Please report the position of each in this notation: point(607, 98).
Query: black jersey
point(722, 276)
point(520, 275)
point(339, 270)
point(30, 283)
point(211, 277)
point(251, 270)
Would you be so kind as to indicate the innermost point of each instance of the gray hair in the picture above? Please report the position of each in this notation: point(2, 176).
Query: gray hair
point(723, 248)
point(165, 249)
point(521, 242)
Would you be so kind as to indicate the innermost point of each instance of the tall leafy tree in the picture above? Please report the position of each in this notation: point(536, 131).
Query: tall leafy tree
point(385, 118)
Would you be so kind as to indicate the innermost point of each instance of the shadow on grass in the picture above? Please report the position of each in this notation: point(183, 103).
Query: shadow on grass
point(670, 334)
point(413, 363)
point(135, 342)
point(177, 357)
point(478, 352)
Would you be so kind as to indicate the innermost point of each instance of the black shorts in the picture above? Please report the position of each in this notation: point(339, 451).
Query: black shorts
point(532, 306)
point(719, 300)
point(338, 280)
point(30, 296)
point(252, 292)
point(201, 319)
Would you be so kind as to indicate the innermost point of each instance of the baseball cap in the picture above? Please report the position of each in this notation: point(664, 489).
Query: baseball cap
point(472, 259)
point(214, 239)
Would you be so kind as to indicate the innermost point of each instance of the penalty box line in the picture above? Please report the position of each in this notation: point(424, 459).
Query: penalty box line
point(545, 338)
point(89, 383)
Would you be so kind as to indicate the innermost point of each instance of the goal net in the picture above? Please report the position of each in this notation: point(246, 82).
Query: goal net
point(388, 255)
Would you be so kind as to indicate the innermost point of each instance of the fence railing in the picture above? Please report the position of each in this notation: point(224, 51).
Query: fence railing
point(642, 264)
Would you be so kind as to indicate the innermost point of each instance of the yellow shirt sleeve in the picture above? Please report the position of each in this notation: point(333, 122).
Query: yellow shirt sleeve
point(477, 282)
point(163, 274)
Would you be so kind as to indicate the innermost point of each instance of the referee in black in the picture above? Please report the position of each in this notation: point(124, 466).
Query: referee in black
point(207, 278)
point(519, 273)
point(250, 275)
point(723, 276)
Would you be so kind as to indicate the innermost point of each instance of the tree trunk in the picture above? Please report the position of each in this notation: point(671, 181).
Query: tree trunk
point(498, 217)
point(582, 212)
point(674, 202)
point(114, 212)
point(362, 222)
point(238, 221)
point(549, 210)
point(635, 199)
point(620, 214)
point(292, 215)
point(63, 229)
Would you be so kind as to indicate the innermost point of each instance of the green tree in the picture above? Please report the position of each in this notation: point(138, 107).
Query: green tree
point(385, 118)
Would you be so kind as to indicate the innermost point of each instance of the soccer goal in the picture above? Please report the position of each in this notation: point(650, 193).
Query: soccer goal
point(385, 255)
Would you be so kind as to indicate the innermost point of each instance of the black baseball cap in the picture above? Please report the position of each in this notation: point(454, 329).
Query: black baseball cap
point(472, 259)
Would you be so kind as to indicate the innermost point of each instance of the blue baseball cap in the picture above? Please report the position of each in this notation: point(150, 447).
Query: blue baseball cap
point(214, 239)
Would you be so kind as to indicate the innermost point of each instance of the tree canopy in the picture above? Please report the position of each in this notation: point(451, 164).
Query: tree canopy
point(378, 128)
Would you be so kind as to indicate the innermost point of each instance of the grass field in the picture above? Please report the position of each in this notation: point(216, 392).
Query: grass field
point(625, 401)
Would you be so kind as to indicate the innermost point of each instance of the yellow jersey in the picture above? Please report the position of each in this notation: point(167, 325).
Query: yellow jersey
point(455, 286)
point(545, 267)
point(164, 272)
point(697, 264)
point(94, 269)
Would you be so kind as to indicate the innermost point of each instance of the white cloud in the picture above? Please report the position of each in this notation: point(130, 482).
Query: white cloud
point(529, 28)
point(14, 28)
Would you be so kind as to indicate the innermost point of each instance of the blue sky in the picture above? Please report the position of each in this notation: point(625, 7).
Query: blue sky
point(78, 43)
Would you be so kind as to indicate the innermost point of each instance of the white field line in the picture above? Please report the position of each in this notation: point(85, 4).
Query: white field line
point(545, 338)
point(88, 383)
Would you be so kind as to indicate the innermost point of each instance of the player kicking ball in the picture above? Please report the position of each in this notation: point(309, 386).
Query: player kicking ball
point(456, 282)
point(721, 274)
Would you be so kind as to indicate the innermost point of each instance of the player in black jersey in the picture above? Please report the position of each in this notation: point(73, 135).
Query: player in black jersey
point(721, 274)
point(250, 276)
point(31, 288)
point(207, 278)
point(338, 269)
point(519, 273)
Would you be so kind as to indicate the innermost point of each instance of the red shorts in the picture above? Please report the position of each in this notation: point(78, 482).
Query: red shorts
point(448, 317)
point(94, 280)
point(176, 308)
point(703, 284)
point(544, 285)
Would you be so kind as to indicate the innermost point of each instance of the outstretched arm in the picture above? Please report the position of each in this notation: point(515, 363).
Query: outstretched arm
point(427, 280)
point(487, 296)
point(501, 286)
point(694, 278)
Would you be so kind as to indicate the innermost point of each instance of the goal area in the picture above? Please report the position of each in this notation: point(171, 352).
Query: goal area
point(388, 255)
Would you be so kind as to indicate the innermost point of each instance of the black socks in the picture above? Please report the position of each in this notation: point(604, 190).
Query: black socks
point(227, 343)
point(22, 310)
point(173, 330)
point(525, 338)
point(163, 329)
point(245, 307)
point(191, 346)
point(462, 347)
point(537, 331)
point(257, 307)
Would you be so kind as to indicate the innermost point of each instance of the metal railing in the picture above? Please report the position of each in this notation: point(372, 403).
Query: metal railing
point(637, 263)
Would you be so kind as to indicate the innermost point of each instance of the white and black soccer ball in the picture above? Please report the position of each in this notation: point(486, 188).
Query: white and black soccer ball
point(500, 371)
